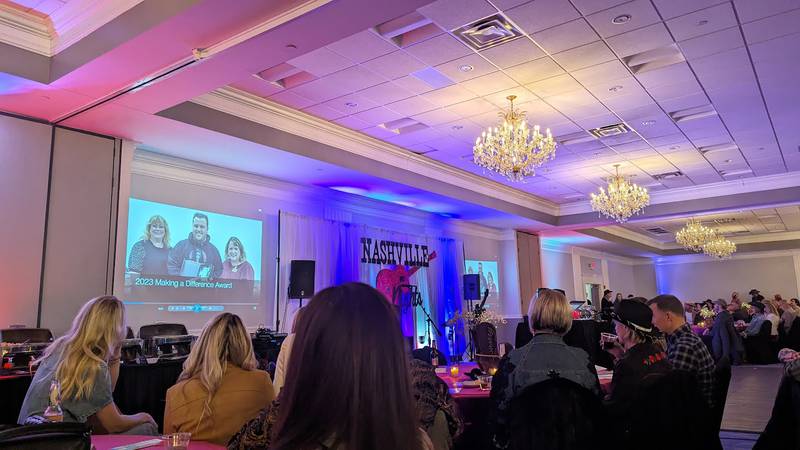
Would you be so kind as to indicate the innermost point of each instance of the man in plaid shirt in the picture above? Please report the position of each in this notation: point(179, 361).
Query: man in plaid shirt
point(685, 350)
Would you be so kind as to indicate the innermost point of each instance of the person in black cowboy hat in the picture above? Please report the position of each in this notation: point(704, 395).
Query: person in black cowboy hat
point(636, 353)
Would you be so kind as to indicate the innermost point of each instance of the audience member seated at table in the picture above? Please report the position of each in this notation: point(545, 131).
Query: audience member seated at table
point(757, 317)
point(788, 312)
point(771, 314)
point(86, 363)
point(283, 355)
point(436, 409)
point(546, 356)
point(220, 388)
point(348, 385)
point(725, 340)
point(636, 357)
point(736, 309)
point(684, 348)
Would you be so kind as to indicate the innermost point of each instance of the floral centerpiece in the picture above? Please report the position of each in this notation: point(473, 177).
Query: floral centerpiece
point(708, 317)
point(473, 318)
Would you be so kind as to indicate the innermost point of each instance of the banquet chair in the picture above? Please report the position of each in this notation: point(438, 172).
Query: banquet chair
point(46, 436)
point(722, 380)
point(759, 348)
point(671, 401)
point(486, 350)
point(793, 336)
point(558, 414)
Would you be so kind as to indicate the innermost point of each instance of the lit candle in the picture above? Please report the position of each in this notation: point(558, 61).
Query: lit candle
point(454, 371)
point(492, 371)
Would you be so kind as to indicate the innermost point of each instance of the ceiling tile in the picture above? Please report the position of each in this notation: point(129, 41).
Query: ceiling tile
point(385, 93)
point(702, 22)
point(413, 84)
point(436, 117)
point(710, 44)
point(452, 14)
point(584, 56)
point(587, 7)
point(564, 37)
point(378, 116)
point(643, 39)
point(539, 15)
point(352, 103)
point(457, 71)
point(749, 10)
point(353, 79)
point(472, 107)
point(489, 84)
point(323, 112)
point(499, 98)
point(353, 123)
point(602, 74)
point(448, 96)
point(534, 71)
point(641, 14)
point(439, 49)
point(675, 8)
point(394, 65)
point(292, 99)
point(555, 85)
point(513, 53)
point(771, 27)
point(321, 62)
point(362, 46)
point(411, 106)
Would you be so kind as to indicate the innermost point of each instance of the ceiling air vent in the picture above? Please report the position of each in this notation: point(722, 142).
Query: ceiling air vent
point(654, 59)
point(409, 29)
point(716, 148)
point(579, 137)
point(668, 175)
point(724, 221)
point(402, 126)
point(656, 230)
point(694, 113)
point(610, 130)
point(487, 32)
point(285, 75)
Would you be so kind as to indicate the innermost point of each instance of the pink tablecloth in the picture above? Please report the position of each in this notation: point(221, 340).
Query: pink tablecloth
point(109, 441)
point(604, 375)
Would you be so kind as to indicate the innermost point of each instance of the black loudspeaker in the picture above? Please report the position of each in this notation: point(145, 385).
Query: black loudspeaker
point(472, 286)
point(301, 279)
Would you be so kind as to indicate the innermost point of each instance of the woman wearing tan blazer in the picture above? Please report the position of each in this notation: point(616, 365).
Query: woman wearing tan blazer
point(219, 389)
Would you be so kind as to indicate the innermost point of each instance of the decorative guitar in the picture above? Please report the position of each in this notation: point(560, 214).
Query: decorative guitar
point(388, 279)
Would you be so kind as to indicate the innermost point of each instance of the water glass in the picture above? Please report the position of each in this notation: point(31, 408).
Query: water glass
point(178, 441)
point(485, 382)
point(457, 387)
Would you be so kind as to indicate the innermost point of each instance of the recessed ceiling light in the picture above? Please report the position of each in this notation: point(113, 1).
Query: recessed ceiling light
point(647, 123)
point(675, 147)
point(465, 68)
point(351, 104)
point(292, 46)
point(728, 160)
point(702, 22)
point(616, 88)
point(457, 127)
point(620, 19)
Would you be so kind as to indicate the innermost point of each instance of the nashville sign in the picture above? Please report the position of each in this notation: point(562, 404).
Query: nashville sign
point(389, 252)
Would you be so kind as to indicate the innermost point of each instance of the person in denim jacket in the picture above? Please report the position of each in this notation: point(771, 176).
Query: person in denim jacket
point(545, 356)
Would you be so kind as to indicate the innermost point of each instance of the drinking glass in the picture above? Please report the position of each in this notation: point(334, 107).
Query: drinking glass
point(454, 371)
point(178, 441)
point(457, 387)
point(608, 340)
point(485, 382)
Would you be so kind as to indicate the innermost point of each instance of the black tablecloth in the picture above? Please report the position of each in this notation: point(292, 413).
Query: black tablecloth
point(139, 389)
point(585, 334)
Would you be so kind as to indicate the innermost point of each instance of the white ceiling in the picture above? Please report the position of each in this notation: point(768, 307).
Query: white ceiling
point(572, 72)
point(732, 224)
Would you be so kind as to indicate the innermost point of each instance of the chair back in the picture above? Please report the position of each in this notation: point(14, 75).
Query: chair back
point(162, 329)
point(24, 335)
point(47, 436)
point(523, 333)
point(722, 380)
point(557, 414)
point(766, 329)
point(793, 336)
point(672, 402)
point(486, 339)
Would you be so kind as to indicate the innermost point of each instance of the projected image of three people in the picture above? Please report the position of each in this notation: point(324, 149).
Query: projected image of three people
point(193, 257)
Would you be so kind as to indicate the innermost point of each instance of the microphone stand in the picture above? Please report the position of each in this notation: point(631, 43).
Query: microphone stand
point(417, 301)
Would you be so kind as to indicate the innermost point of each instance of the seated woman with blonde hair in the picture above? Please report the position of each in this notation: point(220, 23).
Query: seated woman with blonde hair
point(85, 361)
point(220, 388)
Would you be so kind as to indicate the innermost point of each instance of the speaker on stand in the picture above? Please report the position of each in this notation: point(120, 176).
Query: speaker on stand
point(472, 291)
point(301, 282)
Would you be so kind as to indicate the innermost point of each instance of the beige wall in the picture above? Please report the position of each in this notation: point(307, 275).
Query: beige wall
point(557, 272)
point(24, 165)
point(79, 226)
point(698, 280)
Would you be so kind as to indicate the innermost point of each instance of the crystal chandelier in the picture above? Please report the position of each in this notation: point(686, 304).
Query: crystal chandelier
point(622, 200)
point(719, 247)
point(512, 148)
point(694, 235)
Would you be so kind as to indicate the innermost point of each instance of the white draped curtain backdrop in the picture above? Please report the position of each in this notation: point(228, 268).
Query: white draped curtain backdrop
point(336, 249)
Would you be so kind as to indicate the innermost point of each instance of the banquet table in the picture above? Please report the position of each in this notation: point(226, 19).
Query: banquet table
point(110, 441)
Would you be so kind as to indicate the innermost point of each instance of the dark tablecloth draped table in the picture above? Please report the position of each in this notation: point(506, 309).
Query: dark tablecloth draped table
point(140, 388)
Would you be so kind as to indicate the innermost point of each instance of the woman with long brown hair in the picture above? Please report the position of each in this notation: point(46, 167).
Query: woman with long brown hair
point(347, 382)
